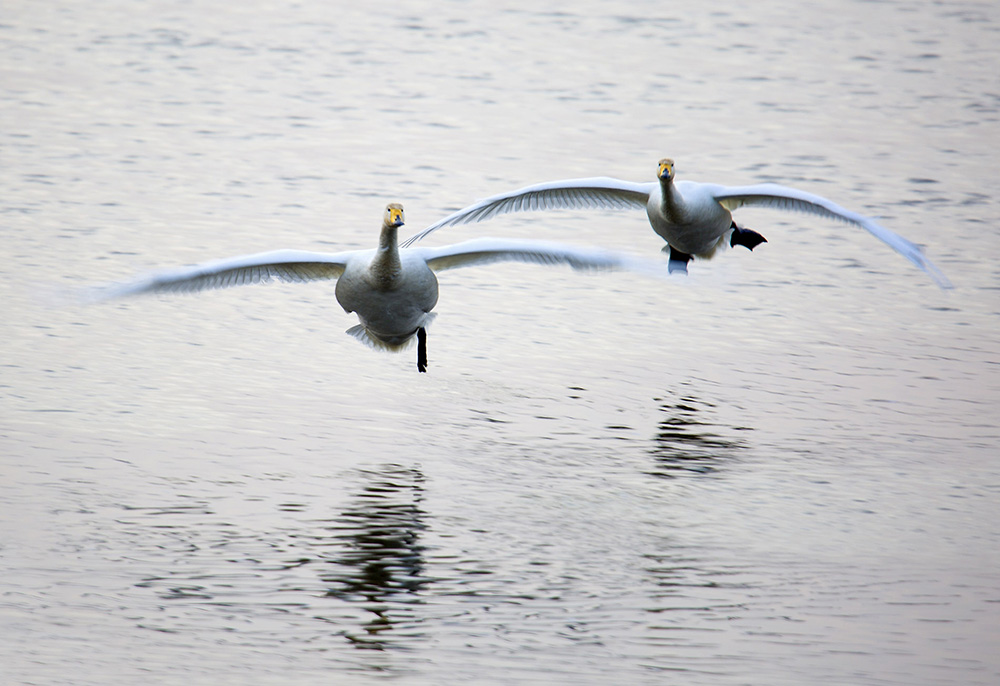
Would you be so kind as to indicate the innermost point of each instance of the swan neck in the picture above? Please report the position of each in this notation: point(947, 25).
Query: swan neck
point(672, 202)
point(670, 194)
point(386, 265)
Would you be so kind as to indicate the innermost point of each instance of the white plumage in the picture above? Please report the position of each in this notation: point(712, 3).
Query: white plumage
point(693, 218)
point(392, 291)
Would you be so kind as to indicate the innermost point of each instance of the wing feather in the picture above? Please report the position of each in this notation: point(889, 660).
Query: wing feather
point(785, 198)
point(595, 193)
point(490, 250)
point(294, 266)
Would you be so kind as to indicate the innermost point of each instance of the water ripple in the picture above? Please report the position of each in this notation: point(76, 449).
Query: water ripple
point(687, 442)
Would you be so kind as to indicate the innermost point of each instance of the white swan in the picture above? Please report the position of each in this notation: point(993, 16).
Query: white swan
point(693, 218)
point(392, 291)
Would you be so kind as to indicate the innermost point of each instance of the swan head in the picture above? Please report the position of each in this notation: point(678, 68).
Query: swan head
point(666, 169)
point(394, 215)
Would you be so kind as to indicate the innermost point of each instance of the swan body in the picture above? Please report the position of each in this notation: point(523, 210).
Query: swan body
point(695, 219)
point(392, 294)
point(391, 290)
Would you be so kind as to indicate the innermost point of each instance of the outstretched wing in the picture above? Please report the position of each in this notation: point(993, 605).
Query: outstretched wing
point(489, 250)
point(785, 198)
point(601, 192)
point(278, 265)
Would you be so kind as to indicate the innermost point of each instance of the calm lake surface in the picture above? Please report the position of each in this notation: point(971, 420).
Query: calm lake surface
point(782, 469)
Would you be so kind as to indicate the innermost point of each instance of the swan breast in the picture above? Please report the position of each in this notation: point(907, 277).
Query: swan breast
point(390, 309)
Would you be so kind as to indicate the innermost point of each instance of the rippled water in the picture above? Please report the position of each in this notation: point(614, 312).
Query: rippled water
point(781, 469)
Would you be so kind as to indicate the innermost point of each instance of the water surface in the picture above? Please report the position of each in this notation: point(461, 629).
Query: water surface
point(781, 469)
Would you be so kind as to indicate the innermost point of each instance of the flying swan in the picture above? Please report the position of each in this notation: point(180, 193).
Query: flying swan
point(693, 218)
point(392, 291)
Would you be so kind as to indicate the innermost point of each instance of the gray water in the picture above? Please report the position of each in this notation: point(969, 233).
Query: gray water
point(782, 469)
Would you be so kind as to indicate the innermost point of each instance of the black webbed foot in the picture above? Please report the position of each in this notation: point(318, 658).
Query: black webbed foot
point(421, 349)
point(746, 237)
point(678, 261)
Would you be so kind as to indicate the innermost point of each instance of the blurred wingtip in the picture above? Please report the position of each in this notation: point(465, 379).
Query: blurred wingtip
point(60, 296)
point(932, 270)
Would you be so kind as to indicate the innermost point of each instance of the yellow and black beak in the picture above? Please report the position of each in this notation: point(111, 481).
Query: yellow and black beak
point(666, 170)
point(394, 216)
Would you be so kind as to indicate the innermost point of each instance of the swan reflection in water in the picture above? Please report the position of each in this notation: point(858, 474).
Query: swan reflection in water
point(382, 561)
point(687, 443)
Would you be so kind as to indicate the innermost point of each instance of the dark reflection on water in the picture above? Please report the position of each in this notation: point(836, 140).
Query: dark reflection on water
point(686, 442)
point(360, 571)
point(382, 558)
